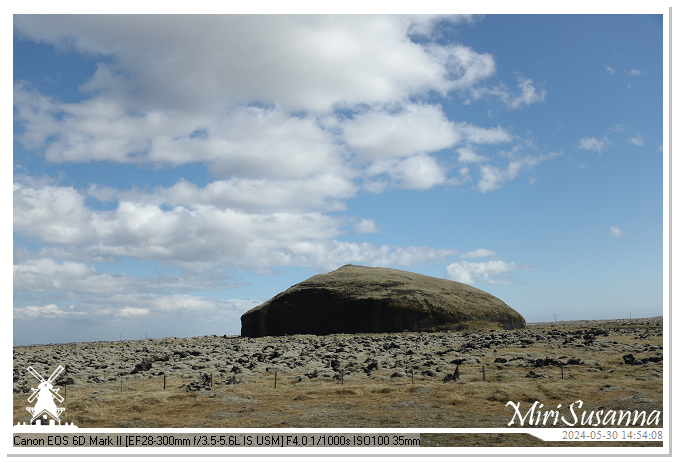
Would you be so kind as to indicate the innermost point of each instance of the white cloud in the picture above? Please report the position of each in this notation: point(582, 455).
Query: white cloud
point(383, 134)
point(527, 94)
point(424, 24)
point(329, 255)
point(332, 106)
point(39, 114)
point(420, 172)
point(314, 58)
point(164, 99)
point(609, 69)
point(245, 141)
point(139, 227)
point(494, 177)
point(462, 177)
point(594, 144)
point(56, 214)
point(617, 232)
point(637, 140)
point(128, 312)
point(256, 142)
point(105, 297)
point(193, 237)
point(34, 312)
point(469, 155)
point(481, 135)
point(44, 274)
point(366, 226)
point(478, 253)
point(464, 67)
point(469, 273)
point(318, 192)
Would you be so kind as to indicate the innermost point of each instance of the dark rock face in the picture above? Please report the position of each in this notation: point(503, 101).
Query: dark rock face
point(358, 299)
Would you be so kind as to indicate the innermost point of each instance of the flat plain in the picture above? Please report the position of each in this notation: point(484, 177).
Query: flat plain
point(403, 380)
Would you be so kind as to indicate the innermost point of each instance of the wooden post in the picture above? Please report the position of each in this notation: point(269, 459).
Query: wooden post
point(483, 369)
point(562, 371)
point(275, 378)
point(163, 381)
point(210, 380)
point(342, 375)
point(64, 391)
point(121, 385)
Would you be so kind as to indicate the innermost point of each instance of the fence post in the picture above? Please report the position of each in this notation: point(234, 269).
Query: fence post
point(342, 375)
point(163, 381)
point(275, 378)
point(561, 371)
point(483, 369)
point(121, 385)
point(210, 380)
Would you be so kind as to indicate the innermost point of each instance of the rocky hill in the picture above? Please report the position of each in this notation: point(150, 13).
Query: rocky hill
point(358, 299)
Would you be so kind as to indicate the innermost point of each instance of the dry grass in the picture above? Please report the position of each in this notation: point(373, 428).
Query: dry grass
point(376, 400)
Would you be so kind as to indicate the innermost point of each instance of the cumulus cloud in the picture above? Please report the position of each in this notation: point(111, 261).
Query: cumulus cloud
point(594, 144)
point(419, 172)
point(469, 155)
point(481, 135)
point(186, 74)
point(133, 312)
point(617, 232)
point(478, 253)
point(106, 297)
point(32, 312)
point(366, 226)
point(527, 93)
point(330, 255)
point(325, 192)
point(141, 228)
point(348, 112)
point(493, 177)
point(384, 134)
point(55, 213)
point(164, 99)
point(464, 66)
point(192, 237)
point(637, 140)
point(493, 272)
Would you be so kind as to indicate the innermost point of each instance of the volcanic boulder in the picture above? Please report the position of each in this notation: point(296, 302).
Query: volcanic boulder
point(358, 299)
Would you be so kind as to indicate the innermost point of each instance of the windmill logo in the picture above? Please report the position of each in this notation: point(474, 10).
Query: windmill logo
point(45, 408)
point(45, 412)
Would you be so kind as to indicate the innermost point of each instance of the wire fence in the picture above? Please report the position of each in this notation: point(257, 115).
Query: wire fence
point(469, 373)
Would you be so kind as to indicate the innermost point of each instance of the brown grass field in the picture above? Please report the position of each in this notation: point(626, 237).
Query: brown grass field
point(379, 401)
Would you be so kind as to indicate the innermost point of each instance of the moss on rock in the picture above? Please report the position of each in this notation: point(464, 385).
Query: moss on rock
point(359, 299)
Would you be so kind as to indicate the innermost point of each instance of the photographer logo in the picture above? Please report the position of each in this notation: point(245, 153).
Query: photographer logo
point(45, 412)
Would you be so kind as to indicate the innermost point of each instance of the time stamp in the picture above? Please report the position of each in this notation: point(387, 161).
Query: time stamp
point(611, 434)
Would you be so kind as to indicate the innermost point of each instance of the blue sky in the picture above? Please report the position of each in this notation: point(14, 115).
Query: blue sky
point(165, 182)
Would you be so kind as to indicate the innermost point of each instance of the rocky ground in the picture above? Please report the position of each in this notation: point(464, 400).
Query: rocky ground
point(238, 359)
point(617, 363)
